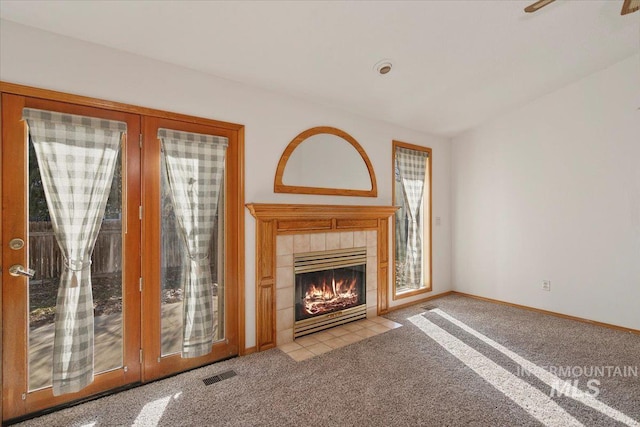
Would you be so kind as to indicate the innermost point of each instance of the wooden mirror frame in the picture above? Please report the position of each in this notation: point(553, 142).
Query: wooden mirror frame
point(280, 187)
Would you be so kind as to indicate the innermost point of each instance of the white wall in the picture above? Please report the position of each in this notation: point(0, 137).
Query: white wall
point(552, 191)
point(41, 59)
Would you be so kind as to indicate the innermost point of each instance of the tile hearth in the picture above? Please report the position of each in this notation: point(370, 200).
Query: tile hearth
point(340, 336)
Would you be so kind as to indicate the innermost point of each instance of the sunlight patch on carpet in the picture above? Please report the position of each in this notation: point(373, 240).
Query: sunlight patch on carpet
point(152, 412)
point(544, 375)
point(529, 398)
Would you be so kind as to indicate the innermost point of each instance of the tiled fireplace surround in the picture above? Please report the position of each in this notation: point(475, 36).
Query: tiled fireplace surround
point(283, 230)
point(289, 245)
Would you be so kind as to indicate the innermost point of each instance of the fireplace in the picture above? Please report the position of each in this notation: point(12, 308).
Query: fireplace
point(283, 230)
point(330, 289)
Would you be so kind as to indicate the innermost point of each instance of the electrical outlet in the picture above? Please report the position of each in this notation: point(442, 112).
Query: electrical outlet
point(546, 285)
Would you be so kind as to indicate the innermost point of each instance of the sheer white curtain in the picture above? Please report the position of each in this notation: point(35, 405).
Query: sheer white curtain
point(195, 170)
point(77, 157)
point(412, 166)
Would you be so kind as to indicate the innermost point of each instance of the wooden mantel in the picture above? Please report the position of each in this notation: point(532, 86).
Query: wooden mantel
point(274, 219)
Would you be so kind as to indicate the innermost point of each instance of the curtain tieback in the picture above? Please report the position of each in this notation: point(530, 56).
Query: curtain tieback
point(198, 262)
point(75, 266)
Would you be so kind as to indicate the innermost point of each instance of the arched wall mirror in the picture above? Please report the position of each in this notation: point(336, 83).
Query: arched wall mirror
point(325, 160)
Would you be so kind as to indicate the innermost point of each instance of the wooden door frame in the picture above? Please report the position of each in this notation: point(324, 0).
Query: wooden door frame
point(14, 129)
point(154, 364)
point(236, 250)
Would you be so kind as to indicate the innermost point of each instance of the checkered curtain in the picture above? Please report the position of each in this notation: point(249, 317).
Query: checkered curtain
point(412, 165)
point(77, 157)
point(195, 169)
point(400, 218)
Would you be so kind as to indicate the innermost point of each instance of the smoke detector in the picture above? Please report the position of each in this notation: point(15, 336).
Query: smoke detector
point(383, 67)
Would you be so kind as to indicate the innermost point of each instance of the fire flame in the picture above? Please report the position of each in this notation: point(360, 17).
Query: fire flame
point(325, 297)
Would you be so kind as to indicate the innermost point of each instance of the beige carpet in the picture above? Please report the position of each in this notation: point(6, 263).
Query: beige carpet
point(460, 365)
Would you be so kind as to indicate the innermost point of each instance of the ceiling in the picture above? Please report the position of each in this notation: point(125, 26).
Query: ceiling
point(456, 64)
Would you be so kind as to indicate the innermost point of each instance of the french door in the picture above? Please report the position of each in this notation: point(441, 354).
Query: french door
point(139, 263)
point(166, 259)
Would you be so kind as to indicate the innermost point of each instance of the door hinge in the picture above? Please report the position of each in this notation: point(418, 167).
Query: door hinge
point(140, 284)
point(141, 357)
point(140, 141)
point(140, 212)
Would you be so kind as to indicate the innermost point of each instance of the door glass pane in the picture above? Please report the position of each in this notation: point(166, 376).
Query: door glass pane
point(106, 280)
point(174, 259)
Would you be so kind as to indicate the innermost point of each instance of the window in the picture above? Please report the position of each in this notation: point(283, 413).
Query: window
point(412, 221)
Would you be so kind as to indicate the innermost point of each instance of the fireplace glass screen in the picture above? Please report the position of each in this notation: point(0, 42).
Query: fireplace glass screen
point(329, 282)
point(328, 291)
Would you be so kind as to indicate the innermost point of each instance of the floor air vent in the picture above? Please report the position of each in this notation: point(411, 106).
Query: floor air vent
point(219, 377)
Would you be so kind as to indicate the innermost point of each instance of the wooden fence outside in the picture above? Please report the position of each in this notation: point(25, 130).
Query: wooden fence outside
point(46, 258)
